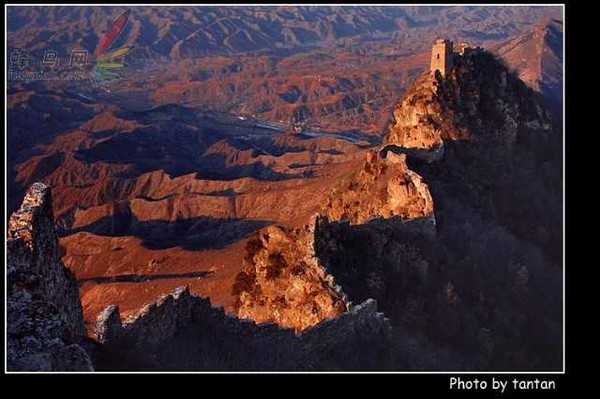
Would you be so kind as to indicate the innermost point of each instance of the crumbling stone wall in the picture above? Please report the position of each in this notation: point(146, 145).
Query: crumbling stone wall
point(182, 331)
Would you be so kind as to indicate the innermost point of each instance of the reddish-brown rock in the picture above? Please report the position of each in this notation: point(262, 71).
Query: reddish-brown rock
point(283, 282)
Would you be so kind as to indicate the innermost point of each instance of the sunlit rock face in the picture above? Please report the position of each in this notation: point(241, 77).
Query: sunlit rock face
point(283, 282)
point(478, 99)
point(384, 187)
point(415, 124)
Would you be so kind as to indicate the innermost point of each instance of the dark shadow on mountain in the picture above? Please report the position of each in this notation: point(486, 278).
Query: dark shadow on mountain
point(40, 118)
point(141, 278)
point(176, 140)
point(103, 134)
point(194, 234)
point(175, 148)
point(166, 112)
point(471, 286)
point(296, 165)
point(214, 126)
point(215, 168)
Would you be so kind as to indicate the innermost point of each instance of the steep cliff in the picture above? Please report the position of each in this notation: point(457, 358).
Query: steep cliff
point(45, 321)
point(479, 286)
point(479, 100)
point(537, 56)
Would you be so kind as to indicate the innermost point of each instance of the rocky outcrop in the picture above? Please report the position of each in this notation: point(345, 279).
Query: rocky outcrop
point(383, 188)
point(479, 99)
point(282, 281)
point(45, 321)
point(488, 139)
point(185, 332)
point(417, 122)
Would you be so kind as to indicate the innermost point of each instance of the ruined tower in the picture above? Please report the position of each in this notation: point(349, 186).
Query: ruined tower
point(441, 56)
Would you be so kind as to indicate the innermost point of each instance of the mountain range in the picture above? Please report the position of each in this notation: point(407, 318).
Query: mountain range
point(295, 165)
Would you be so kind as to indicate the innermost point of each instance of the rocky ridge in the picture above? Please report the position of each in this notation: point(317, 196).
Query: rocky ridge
point(468, 104)
point(180, 331)
point(45, 320)
point(187, 32)
point(283, 281)
point(185, 332)
point(485, 145)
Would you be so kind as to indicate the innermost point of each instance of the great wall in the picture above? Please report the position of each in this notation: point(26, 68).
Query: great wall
point(387, 204)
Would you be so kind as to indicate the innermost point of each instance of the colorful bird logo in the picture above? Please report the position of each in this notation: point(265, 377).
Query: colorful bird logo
point(108, 62)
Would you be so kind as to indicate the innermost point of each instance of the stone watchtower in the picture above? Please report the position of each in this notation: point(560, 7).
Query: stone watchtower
point(441, 56)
